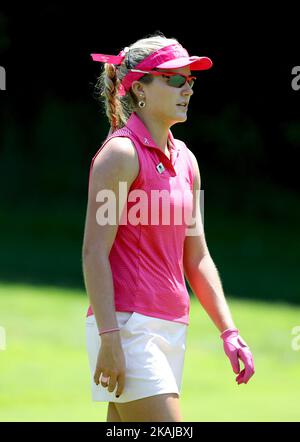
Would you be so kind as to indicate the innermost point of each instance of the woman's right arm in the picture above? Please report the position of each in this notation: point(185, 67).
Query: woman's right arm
point(117, 161)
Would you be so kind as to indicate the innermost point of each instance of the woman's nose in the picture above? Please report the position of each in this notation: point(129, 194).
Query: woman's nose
point(187, 90)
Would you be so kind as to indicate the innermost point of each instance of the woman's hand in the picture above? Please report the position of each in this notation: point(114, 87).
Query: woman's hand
point(111, 363)
point(235, 347)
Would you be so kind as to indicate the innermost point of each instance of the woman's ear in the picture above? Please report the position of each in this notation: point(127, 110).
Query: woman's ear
point(137, 88)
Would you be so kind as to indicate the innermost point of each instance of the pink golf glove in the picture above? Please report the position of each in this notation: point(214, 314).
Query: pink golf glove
point(235, 347)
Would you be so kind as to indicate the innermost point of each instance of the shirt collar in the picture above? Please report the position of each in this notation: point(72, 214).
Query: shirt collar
point(137, 126)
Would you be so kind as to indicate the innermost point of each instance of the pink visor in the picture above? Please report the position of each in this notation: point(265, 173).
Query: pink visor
point(169, 57)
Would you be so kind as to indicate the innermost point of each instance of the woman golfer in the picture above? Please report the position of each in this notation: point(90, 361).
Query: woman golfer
point(137, 248)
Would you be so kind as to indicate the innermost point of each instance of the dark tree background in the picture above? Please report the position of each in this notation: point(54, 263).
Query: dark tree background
point(243, 125)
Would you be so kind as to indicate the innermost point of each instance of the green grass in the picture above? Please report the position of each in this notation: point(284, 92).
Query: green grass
point(45, 374)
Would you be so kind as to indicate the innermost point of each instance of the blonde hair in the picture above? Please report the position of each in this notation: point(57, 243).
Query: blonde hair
point(118, 109)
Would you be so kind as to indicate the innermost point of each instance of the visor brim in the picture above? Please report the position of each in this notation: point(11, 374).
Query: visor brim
point(195, 63)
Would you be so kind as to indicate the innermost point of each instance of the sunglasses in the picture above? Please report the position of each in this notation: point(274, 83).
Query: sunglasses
point(174, 79)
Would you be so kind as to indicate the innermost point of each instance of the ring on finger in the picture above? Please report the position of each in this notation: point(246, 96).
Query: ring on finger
point(105, 379)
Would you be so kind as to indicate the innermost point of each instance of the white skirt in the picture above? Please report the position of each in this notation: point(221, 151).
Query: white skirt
point(154, 352)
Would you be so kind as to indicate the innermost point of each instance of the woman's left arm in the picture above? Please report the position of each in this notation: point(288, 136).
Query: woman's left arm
point(200, 269)
point(204, 280)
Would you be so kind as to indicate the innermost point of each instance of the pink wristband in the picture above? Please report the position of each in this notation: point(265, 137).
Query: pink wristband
point(109, 330)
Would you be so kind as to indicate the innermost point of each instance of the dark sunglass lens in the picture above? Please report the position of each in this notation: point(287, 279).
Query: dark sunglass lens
point(176, 80)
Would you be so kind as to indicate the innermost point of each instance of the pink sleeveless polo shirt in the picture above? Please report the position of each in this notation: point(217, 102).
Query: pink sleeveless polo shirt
point(146, 257)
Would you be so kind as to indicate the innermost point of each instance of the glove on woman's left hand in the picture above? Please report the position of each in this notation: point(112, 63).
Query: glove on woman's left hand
point(235, 347)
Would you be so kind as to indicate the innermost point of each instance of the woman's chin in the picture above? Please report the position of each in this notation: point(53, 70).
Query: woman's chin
point(182, 117)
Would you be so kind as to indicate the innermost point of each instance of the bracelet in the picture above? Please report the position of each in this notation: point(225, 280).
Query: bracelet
point(109, 330)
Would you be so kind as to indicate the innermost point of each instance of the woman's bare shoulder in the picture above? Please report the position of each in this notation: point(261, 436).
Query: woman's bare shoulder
point(118, 156)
